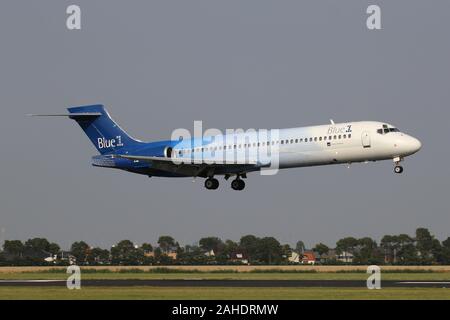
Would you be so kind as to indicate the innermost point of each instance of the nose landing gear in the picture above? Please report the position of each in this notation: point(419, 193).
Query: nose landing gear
point(398, 168)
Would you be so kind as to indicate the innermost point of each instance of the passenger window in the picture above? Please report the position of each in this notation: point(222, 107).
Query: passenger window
point(310, 139)
point(320, 138)
point(296, 140)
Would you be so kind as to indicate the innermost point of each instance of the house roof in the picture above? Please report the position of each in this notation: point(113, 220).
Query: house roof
point(309, 256)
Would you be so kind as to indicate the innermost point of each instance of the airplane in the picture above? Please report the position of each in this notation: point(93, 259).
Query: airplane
point(236, 154)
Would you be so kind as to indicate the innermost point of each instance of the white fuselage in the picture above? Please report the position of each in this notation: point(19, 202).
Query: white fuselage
point(305, 146)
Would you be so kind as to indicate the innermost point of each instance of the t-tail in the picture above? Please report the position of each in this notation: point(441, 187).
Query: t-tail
point(106, 135)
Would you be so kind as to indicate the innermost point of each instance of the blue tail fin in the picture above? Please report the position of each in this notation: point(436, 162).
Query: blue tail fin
point(104, 133)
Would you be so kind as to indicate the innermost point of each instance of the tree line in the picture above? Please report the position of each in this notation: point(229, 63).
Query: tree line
point(421, 249)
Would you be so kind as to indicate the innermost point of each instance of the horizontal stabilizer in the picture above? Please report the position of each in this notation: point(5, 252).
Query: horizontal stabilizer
point(104, 133)
point(71, 115)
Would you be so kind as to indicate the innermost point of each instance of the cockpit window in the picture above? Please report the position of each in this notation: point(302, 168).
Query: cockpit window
point(386, 130)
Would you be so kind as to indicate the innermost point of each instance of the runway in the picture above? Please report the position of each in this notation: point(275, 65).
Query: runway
point(230, 283)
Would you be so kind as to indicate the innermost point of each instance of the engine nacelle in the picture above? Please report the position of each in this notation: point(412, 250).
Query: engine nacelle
point(168, 152)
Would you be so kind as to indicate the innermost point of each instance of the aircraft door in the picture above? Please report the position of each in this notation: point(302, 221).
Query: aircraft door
point(365, 139)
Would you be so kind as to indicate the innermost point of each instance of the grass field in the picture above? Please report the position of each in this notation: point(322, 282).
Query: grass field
point(239, 268)
point(343, 273)
point(41, 293)
point(229, 276)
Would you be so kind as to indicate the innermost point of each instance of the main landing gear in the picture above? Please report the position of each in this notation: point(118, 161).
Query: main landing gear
point(236, 184)
point(398, 168)
point(211, 184)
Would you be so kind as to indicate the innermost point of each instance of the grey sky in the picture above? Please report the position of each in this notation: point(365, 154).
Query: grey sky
point(160, 65)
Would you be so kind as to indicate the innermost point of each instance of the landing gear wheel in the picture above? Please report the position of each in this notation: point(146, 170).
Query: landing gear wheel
point(398, 169)
point(237, 184)
point(211, 184)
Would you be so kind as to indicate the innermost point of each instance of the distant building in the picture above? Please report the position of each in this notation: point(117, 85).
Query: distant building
point(346, 257)
point(171, 254)
point(306, 257)
point(67, 256)
point(210, 253)
point(239, 257)
point(295, 257)
point(329, 256)
point(309, 257)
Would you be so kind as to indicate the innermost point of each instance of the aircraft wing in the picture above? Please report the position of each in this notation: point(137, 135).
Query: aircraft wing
point(192, 167)
point(188, 161)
